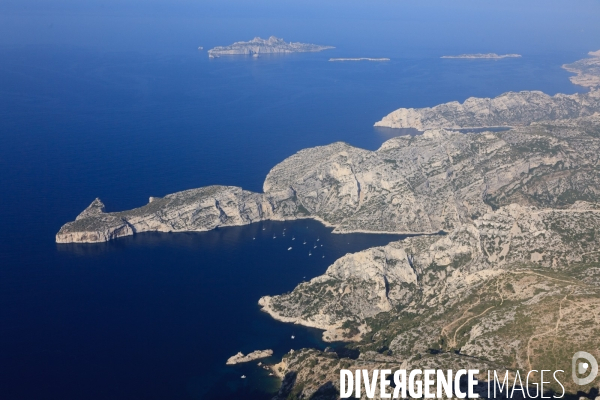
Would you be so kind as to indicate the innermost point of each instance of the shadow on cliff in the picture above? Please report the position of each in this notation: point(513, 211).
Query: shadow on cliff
point(326, 392)
point(287, 384)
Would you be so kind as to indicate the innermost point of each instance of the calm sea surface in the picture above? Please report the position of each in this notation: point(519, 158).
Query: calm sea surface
point(155, 316)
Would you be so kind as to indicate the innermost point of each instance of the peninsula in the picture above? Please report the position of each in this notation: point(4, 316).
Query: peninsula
point(359, 59)
point(265, 46)
point(255, 355)
point(587, 70)
point(491, 56)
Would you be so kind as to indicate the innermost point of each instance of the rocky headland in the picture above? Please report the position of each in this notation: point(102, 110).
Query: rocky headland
point(412, 184)
point(508, 109)
point(265, 46)
point(587, 70)
point(490, 56)
point(255, 355)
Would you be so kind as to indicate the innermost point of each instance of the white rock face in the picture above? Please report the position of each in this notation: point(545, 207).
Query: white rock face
point(191, 210)
point(265, 46)
point(364, 283)
point(255, 355)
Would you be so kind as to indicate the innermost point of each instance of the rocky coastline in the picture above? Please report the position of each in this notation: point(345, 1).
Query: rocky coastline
point(255, 355)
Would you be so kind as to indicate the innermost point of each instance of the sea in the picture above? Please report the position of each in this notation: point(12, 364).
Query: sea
point(156, 315)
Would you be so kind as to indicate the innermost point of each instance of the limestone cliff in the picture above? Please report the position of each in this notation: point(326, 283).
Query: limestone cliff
point(191, 210)
point(255, 355)
point(587, 70)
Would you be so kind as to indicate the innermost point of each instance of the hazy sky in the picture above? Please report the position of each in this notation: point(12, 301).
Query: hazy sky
point(373, 27)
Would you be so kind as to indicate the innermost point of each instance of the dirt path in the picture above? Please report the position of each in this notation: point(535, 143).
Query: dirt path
point(466, 322)
point(555, 329)
point(446, 330)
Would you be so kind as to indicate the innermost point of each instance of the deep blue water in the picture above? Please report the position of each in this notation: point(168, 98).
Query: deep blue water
point(155, 316)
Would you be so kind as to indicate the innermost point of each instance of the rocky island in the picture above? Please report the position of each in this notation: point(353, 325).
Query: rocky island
point(513, 283)
point(359, 59)
point(508, 109)
point(255, 355)
point(423, 184)
point(488, 56)
point(265, 46)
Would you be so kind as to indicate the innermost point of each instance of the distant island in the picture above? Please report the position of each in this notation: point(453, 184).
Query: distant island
point(265, 46)
point(359, 59)
point(492, 56)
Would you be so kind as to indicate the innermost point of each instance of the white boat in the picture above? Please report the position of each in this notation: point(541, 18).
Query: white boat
point(309, 253)
point(304, 242)
point(289, 248)
point(243, 376)
point(315, 247)
point(264, 229)
point(274, 236)
point(253, 238)
point(293, 238)
point(293, 337)
point(318, 239)
point(323, 257)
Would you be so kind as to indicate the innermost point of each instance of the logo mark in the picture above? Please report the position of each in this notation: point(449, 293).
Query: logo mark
point(581, 367)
